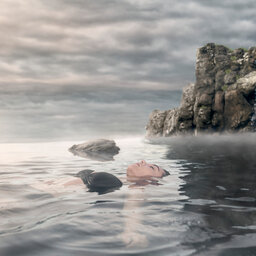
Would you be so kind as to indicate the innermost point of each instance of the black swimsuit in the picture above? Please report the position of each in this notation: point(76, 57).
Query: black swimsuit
point(99, 181)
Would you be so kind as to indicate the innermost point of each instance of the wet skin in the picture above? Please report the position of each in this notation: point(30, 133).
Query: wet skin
point(144, 169)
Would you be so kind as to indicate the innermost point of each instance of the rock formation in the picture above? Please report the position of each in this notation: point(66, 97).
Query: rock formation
point(222, 98)
point(101, 149)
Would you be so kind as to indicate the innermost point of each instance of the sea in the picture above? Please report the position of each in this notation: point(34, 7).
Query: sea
point(206, 206)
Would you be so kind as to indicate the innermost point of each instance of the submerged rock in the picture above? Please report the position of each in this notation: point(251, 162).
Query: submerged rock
point(222, 98)
point(100, 149)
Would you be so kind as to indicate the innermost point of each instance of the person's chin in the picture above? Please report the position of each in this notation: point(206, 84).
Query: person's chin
point(131, 170)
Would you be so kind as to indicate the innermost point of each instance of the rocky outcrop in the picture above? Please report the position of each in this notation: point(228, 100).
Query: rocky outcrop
point(101, 149)
point(222, 98)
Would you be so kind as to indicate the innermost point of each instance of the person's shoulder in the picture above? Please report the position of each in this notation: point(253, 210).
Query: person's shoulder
point(103, 179)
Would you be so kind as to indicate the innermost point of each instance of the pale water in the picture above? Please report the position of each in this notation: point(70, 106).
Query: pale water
point(207, 206)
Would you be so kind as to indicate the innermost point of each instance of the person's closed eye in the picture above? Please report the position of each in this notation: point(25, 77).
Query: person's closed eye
point(156, 166)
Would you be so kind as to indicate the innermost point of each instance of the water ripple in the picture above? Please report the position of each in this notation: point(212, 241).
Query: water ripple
point(206, 204)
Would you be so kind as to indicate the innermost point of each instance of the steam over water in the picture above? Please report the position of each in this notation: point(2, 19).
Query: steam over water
point(207, 206)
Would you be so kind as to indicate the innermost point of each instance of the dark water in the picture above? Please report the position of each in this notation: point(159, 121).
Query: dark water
point(207, 206)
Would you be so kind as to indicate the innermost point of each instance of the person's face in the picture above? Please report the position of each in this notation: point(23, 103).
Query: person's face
point(143, 169)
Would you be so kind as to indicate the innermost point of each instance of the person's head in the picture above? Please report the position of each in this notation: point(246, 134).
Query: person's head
point(143, 169)
point(84, 175)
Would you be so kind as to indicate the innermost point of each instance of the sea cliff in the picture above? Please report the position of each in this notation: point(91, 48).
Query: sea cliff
point(222, 99)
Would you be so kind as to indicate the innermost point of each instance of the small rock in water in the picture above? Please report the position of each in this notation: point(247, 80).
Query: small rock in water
point(100, 149)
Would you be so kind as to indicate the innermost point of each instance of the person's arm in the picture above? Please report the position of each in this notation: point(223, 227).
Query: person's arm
point(59, 186)
point(73, 181)
point(133, 218)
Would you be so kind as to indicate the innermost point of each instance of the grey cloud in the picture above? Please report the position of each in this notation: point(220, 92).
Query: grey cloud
point(64, 51)
point(121, 38)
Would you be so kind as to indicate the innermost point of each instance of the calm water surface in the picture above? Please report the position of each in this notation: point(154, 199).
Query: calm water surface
point(206, 206)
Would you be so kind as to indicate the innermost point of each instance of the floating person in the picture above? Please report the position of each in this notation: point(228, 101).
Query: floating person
point(103, 182)
point(140, 174)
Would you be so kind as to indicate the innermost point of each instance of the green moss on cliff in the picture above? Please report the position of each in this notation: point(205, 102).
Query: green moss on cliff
point(233, 58)
point(224, 87)
point(227, 71)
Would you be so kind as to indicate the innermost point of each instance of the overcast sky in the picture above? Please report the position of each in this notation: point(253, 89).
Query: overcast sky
point(52, 47)
point(123, 43)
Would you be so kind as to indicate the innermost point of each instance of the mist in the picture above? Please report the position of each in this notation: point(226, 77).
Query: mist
point(79, 114)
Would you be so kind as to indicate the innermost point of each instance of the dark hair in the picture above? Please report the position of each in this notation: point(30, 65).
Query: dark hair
point(166, 173)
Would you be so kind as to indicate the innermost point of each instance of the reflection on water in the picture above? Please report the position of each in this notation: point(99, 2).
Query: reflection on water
point(94, 156)
point(102, 191)
point(206, 205)
point(220, 186)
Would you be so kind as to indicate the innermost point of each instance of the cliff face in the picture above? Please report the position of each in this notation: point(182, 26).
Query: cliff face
point(222, 98)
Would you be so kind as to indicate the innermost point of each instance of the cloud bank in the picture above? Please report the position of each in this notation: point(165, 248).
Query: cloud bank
point(65, 64)
point(128, 43)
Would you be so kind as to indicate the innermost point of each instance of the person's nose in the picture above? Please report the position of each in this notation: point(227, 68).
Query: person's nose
point(143, 162)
